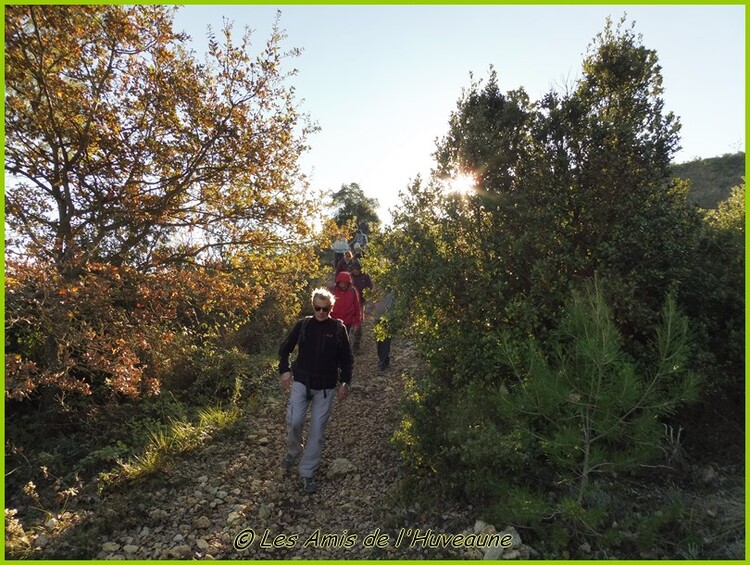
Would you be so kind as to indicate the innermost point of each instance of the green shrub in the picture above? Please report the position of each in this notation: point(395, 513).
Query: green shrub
point(516, 504)
point(206, 375)
point(577, 407)
point(591, 406)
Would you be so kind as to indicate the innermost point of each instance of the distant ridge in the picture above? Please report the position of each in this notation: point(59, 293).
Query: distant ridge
point(712, 179)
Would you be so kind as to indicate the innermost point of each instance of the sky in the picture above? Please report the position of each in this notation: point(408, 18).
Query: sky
point(381, 81)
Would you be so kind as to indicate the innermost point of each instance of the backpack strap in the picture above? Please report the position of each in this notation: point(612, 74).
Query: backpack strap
point(340, 328)
point(300, 340)
point(302, 330)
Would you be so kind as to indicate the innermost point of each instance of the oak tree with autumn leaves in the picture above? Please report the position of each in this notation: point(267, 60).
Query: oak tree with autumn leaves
point(149, 195)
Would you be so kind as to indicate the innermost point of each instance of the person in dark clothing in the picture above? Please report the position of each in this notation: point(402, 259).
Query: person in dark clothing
point(383, 329)
point(361, 281)
point(345, 263)
point(324, 360)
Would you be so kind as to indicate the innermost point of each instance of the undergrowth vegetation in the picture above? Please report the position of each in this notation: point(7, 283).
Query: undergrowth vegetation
point(582, 320)
point(64, 458)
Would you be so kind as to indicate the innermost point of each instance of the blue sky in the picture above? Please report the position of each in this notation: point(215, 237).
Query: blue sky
point(381, 81)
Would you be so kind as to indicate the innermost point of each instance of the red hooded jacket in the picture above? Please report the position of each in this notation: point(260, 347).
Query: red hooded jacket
point(347, 307)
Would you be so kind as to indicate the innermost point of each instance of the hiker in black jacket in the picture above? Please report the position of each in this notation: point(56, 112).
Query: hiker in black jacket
point(324, 360)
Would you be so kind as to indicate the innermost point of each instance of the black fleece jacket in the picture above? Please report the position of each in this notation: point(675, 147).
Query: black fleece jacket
point(323, 352)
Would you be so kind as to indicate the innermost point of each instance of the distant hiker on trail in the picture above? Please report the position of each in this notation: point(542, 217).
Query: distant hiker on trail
point(361, 282)
point(346, 306)
point(383, 329)
point(358, 243)
point(345, 262)
point(339, 247)
point(324, 359)
point(361, 238)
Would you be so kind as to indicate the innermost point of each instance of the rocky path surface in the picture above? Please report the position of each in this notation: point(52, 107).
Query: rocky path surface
point(231, 500)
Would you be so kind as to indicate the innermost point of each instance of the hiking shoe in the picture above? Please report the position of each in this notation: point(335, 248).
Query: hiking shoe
point(309, 485)
point(287, 463)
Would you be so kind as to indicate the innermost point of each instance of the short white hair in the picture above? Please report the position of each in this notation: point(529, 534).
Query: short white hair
point(323, 294)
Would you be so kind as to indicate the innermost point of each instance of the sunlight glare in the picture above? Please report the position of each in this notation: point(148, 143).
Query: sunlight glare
point(462, 184)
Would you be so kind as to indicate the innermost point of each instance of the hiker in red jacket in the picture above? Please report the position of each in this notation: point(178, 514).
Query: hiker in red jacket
point(347, 306)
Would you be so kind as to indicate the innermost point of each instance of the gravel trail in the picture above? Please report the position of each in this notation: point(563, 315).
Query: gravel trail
point(231, 500)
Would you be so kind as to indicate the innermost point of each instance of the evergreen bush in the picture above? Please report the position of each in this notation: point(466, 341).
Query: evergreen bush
point(590, 406)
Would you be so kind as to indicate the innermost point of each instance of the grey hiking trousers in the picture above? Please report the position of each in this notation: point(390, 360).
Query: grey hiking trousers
point(320, 404)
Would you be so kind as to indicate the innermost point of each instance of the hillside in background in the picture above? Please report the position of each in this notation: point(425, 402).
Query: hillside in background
point(712, 179)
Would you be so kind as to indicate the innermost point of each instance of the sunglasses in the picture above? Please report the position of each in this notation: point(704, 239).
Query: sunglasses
point(322, 308)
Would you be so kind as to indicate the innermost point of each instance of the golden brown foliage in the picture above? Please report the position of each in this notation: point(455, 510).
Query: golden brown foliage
point(147, 193)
